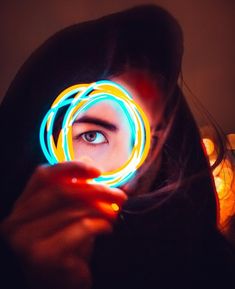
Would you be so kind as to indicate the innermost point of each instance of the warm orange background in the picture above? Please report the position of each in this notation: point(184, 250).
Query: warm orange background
point(209, 28)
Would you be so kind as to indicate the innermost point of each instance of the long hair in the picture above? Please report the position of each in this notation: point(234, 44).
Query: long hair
point(172, 196)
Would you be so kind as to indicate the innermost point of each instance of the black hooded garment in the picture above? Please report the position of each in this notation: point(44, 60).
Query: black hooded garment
point(176, 245)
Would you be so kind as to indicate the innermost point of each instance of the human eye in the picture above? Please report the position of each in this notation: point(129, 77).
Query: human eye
point(93, 137)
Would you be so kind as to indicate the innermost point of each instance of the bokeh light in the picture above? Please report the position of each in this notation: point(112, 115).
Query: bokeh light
point(209, 145)
point(224, 179)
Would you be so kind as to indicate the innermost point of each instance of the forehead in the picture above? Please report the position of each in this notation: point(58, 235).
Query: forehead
point(107, 110)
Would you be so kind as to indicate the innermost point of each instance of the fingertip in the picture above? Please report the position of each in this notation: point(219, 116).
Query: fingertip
point(94, 171)
point(120, 193)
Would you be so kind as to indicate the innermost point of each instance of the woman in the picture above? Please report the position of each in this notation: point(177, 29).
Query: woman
point(166, 234)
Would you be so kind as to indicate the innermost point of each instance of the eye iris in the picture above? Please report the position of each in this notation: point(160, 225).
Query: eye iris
point(91, 136)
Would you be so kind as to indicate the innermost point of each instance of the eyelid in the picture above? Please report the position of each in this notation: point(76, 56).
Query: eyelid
point(90, 131)
point(87, 127)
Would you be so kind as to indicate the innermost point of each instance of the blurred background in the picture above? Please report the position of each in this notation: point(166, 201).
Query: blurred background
point(208, 64)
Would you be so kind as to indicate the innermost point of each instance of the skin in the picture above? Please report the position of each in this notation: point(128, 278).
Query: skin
point(54, 223)
point(108, 147)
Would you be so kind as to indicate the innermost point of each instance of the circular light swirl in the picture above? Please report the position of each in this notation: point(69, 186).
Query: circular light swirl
point(79, 98)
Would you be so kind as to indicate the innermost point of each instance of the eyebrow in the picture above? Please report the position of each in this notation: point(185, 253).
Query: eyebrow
point(97, 121)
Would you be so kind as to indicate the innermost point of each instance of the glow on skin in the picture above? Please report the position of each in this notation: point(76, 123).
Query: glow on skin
point(101, 135)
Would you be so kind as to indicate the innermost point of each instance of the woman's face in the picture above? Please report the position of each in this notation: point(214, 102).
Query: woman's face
point(101, 135)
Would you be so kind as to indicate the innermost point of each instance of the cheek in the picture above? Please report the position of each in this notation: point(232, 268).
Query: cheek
point(93, 151)
point(95, 155)
point(119, 153)
point(121, 150)
point(106, 157)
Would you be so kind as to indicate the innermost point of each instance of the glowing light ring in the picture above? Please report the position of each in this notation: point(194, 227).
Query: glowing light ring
point(81, 97)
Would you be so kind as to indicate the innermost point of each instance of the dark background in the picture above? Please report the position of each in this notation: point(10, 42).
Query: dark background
point(209, 30)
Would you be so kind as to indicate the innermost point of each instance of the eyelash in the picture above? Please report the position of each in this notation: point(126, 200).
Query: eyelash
point(91, 131)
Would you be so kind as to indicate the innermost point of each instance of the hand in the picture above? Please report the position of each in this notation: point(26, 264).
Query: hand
point(53, 224)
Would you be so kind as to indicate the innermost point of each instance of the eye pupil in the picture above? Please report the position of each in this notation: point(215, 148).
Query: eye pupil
point(91, 136)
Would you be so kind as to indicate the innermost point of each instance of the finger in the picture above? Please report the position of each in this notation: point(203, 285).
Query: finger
point(74, 169)
point(71, 238)
point(91, 192)
point(101, 199)
point(49, 175)
point(104, 199)
point(47, 225)
point(46, 201)
point(110, 210)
